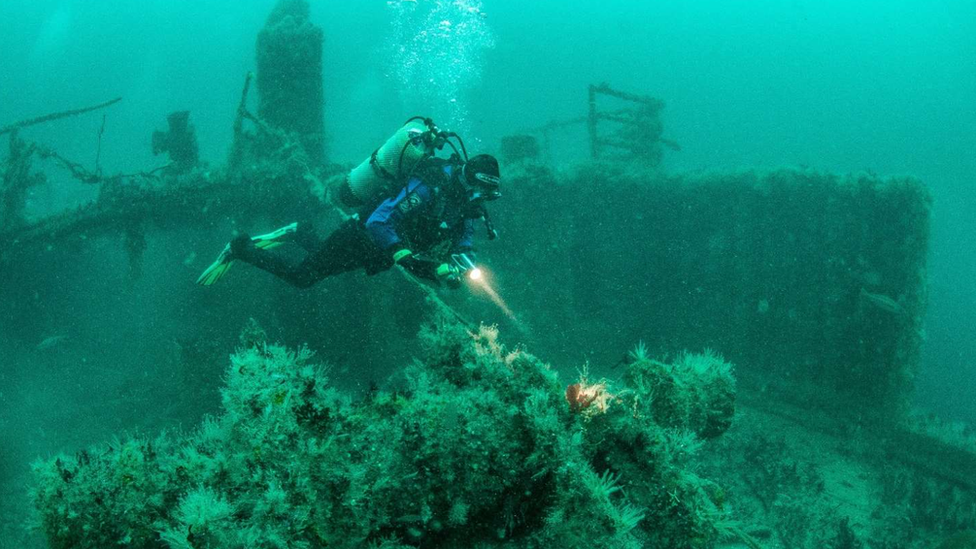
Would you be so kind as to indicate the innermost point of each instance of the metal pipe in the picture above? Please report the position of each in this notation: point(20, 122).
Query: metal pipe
point(591, 124)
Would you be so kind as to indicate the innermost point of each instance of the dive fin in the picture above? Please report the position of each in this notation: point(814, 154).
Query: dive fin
point(275, 238)
point(218, 269)
point(225, 260)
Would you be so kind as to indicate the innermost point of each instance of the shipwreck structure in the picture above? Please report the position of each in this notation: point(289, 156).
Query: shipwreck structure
point(289, 75)
point(812, 284)
point(632, 130)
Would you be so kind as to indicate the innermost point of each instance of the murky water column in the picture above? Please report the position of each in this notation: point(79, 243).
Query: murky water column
point(436, 51)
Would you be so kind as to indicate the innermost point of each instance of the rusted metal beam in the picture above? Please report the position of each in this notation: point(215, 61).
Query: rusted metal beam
point(55, 116)
point(622, 119)
point(591, 123)
point(605, 89)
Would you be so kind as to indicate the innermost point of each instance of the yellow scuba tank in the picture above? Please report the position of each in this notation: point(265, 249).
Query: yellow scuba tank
point(387, 166)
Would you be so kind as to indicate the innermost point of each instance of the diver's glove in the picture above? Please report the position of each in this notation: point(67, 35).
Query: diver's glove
point(444, 273)
point(450, 275)
point(419, 268)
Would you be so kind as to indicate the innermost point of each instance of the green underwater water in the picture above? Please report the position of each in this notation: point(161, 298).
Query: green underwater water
point(155, 416)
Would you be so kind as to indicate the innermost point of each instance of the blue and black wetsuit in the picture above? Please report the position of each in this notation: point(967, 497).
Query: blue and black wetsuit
point(429, 215)
point(428, 212)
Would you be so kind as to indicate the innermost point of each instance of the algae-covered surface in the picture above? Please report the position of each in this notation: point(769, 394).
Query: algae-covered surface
point(477, 447)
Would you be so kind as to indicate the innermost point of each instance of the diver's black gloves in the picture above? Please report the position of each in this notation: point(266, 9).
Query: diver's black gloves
point(419, 268)
point(428, 270)
point(450, 275)
point(453, 282)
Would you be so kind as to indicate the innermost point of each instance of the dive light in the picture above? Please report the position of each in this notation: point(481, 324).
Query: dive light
point(463, 265)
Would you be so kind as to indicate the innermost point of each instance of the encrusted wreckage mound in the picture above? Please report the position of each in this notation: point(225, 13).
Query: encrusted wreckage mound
point(479, 446)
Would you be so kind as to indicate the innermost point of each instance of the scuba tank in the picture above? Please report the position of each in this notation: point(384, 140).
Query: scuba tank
point(391, 165)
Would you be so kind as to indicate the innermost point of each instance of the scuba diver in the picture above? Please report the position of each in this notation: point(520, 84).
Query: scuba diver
point(422, 218)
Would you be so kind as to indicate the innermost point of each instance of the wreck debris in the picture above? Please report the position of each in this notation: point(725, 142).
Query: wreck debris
point(55, 116)
point(276, 163)
point(713, 246)
point(449, 442)
point(98, 151)
point(134, 238)
point(78, 171)
point(271, 152)
point(17, 176)
point(289, 75)
point(82, 174)
point(238, 147)
point(641, 128)
point(179, 142)
point(278, 174)
point(636, 130)
point(882, 302)
point(17, 180)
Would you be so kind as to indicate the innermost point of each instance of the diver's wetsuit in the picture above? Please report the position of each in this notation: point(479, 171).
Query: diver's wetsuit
point(431, 210)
